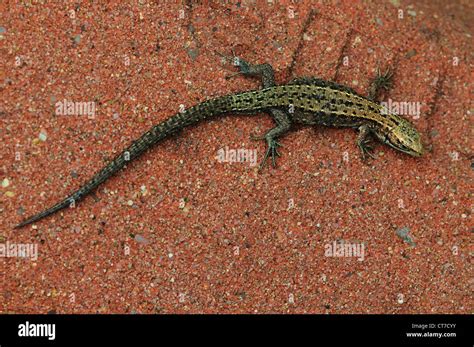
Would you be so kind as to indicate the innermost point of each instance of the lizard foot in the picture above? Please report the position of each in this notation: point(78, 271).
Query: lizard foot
point(381, 81)
point(243, 66)
point(365, 149)
point(247, 69)
point(384, 80)
point(272, 149)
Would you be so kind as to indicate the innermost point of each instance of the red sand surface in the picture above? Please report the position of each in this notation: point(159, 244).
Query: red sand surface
point(178, 231)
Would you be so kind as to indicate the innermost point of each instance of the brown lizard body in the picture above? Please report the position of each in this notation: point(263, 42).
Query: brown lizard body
point(307, 101)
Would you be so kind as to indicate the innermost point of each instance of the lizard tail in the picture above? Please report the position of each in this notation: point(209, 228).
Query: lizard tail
point(160, 131)
point(32, 219)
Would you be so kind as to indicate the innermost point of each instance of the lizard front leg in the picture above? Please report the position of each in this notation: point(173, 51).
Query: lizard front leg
point(380, 81)
point(363, 140)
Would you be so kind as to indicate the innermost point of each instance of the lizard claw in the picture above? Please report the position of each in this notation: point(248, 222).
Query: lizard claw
point(366, 150)
point(272, 150)
point(384, 80)
point(380, 81)
point(225, 58)
point(245, 68)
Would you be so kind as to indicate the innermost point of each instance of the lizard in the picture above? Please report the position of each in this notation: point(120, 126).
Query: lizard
point(307, 101)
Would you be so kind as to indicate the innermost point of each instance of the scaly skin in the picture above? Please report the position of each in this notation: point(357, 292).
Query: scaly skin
point(307, 101)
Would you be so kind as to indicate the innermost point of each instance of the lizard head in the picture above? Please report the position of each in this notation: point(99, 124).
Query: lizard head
point(405, 138)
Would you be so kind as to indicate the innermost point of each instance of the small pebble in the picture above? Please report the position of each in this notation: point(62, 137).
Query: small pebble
point(140, 239)
point(357, 40)
point(403, 233)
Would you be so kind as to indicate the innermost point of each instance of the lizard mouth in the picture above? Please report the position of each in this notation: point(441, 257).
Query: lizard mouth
point(418, 151)
point(414, 152)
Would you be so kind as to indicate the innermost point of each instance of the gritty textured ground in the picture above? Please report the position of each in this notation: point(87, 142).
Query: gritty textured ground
point(178, 231)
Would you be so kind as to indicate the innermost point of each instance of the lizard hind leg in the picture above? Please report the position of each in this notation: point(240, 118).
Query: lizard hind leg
point(264, 71)
point(283, 126)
